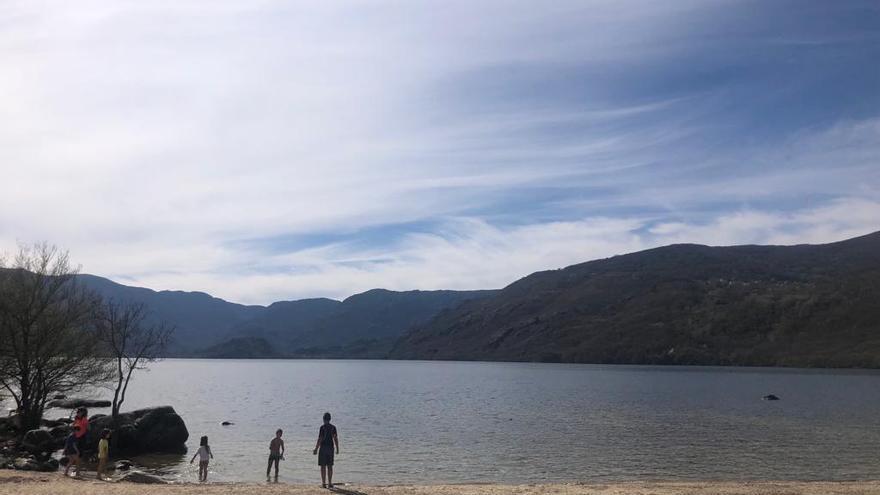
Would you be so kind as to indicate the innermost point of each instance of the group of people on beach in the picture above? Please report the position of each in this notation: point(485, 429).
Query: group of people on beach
point(324, 449)
point(73, 444)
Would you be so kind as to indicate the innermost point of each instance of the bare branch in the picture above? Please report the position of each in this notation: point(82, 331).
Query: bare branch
point(47, 345)
point(130, 341)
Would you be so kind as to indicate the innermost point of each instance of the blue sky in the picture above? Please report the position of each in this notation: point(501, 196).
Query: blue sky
point(262, 151)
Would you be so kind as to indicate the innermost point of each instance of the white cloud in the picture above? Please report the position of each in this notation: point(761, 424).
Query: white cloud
point(471, 254)
point(150, 137)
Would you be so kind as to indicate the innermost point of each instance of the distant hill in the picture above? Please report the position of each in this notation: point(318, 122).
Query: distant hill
point(806, 305)
point(286, 323)
point(363, 325)
point(384, 314)
point(241, 348)
point(200, 319)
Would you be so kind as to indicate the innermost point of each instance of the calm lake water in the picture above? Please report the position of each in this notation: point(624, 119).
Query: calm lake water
point(433, 422)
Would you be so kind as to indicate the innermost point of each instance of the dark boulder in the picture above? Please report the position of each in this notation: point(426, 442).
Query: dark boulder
point(33, 464)
point(36, 441)
point(143, 478)
point(60, 432)
point(48, 423)
point(7, 425)
point(74, 403)
point(25, 464)
point(11, 422)
point(156, 429)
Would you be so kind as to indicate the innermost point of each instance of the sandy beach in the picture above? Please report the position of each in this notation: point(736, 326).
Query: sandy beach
point(25, 483)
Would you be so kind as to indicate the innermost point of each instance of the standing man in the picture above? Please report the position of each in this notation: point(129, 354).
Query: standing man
point(326, 439)
point(276, 453)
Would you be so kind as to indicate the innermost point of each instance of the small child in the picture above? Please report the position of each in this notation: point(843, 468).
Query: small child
point(204, 454)
point(276, 453)
point(326, 438)
point(71, 450)
point(103, 452)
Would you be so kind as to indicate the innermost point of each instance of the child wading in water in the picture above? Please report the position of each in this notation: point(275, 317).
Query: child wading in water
point(276, 453)
point(204, 454)
point(103, 452)
point(326, 438)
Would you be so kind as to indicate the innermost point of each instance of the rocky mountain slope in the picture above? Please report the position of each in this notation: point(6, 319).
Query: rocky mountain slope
point(806, 305)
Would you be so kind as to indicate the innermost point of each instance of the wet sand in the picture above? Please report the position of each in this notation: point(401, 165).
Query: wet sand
point(24, 483)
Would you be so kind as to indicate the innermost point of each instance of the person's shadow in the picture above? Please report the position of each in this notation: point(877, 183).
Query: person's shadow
point(345, 491)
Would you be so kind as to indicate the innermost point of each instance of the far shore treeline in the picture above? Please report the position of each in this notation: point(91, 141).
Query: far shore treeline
point(58, 336)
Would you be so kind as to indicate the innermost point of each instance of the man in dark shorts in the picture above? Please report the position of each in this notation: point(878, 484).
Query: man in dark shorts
point(276, 453)
point(326, 439)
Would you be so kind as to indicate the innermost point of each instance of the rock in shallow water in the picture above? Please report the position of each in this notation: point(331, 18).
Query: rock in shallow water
point(142, 478)
point(156, 429)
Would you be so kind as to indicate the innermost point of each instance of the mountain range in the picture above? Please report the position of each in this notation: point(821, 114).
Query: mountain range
point(804, 305)
point(363, 325)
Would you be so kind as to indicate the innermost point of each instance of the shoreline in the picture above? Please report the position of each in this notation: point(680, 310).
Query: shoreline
point(30, 483)
point(755, 367)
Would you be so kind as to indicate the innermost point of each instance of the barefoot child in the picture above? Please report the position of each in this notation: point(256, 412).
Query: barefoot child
point(204, 454)
point(276, 453)
point(326, 438)
point(103, 452)
point(72, 452)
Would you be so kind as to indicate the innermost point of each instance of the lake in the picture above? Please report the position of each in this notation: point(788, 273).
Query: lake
point(450, 422)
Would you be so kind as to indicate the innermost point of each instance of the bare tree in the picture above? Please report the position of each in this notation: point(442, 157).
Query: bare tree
point(47, 343)
point(131, 342)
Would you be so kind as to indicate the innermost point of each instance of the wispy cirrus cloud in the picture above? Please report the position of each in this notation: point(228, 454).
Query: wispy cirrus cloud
point(275, 150)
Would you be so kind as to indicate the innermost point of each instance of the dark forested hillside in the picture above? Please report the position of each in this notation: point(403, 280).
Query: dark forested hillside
point(807, 305)
point(288, 324)
point(363, 325)
point(241, 348)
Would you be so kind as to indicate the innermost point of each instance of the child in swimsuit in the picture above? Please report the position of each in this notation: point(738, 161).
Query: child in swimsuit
point(276, 453)
point(204, 454)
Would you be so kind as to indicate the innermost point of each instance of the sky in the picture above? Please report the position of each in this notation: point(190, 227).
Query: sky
point(263, 151)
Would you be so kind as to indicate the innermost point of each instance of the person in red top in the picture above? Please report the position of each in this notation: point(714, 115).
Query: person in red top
point(81, 426)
